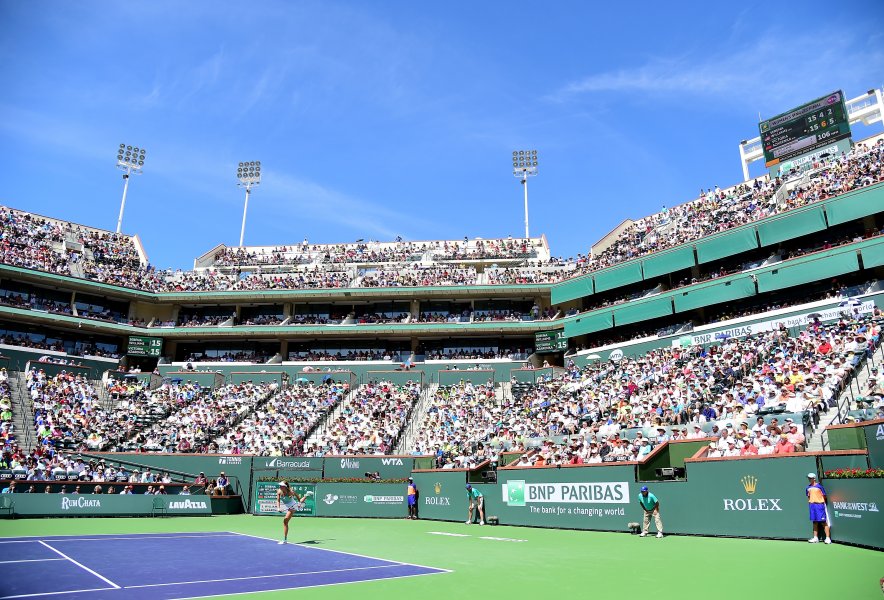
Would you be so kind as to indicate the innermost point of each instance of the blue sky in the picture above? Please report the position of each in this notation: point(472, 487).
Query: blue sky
point(378, 119)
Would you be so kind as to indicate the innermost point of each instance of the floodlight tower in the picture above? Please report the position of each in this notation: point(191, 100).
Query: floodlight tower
point(249, 174)
point(131, 160)
point(525, 164)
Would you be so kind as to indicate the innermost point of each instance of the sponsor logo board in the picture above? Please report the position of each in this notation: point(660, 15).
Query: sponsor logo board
point(519, 493)
point(79, 502)
point(370, 499)
point(749, 483)
point(188, 505)
point(330, 499)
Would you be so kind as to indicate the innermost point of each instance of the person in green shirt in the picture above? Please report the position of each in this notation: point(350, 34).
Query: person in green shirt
point(477, 500)
point(651, 506)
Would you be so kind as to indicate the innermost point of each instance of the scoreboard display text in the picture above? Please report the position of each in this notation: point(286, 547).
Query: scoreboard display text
point(140, 345)
point(265, 498)
point(804, 129)
point(550, 341)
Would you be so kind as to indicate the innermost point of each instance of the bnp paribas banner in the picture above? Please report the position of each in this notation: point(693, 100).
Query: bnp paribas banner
point(389, 467)
point(856, 511)
point(598, 498)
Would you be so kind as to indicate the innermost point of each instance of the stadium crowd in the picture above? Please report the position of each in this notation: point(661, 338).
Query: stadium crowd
point(370, 420)
point(669, 390)
point(281, 426)
point(419, 277)
point(459, 419)
point(718, 210)
point(200, 416)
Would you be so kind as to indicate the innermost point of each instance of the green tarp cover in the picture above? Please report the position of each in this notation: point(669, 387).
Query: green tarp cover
point(791, 225)
point(589, 323)
point(571, 290)
point(726, 244)
point(714, 293)
point(662, 263)
point(873, 256)
point(855, 205)
point(608, 279)
point(643, 310)
point(814, 268)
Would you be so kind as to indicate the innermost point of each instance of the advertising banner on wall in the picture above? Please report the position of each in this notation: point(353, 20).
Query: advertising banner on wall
point(442, 495)
point(97, 505)
point(760, 497)
point(576, 498)
point(800, 320)
point(389, 467)
point(856, 511)
point(361, 500)
point(288, 467)
point(265, 498)
point(875, 444)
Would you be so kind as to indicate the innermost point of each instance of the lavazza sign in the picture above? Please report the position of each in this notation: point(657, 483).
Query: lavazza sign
point(187, 505)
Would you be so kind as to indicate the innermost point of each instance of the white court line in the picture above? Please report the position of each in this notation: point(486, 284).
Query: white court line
point(178, 534)
point(448, 534)
point(84, 567)
point(147, 585)
point(9, 562)
point(347, 553)
point(499, 539)
point(304, 587)
point(41, 594)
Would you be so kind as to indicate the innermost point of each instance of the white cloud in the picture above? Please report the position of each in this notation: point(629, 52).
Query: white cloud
point(298, 198)
point(770, 69)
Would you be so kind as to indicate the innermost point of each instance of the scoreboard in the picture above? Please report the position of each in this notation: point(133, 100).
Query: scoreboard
point(804, 129)
point(550, 341)
point(140, 345)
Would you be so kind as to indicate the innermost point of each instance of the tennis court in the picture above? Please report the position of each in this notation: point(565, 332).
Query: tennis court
point(333, 558)
point(179, 565)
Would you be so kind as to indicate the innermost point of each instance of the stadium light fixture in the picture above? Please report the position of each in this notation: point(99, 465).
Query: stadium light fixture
point(249, 174)
point(131, 160)
point(525, 165)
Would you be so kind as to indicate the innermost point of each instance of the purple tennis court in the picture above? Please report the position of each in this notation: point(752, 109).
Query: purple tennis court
point(185, 565)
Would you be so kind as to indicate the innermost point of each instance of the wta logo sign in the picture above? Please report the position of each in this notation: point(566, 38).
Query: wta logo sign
point(519, 493)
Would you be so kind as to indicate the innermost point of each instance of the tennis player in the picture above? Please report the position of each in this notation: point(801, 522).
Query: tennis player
point(287, 497)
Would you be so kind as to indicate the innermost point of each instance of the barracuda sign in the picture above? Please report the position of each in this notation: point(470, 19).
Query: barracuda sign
point(281, 463)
